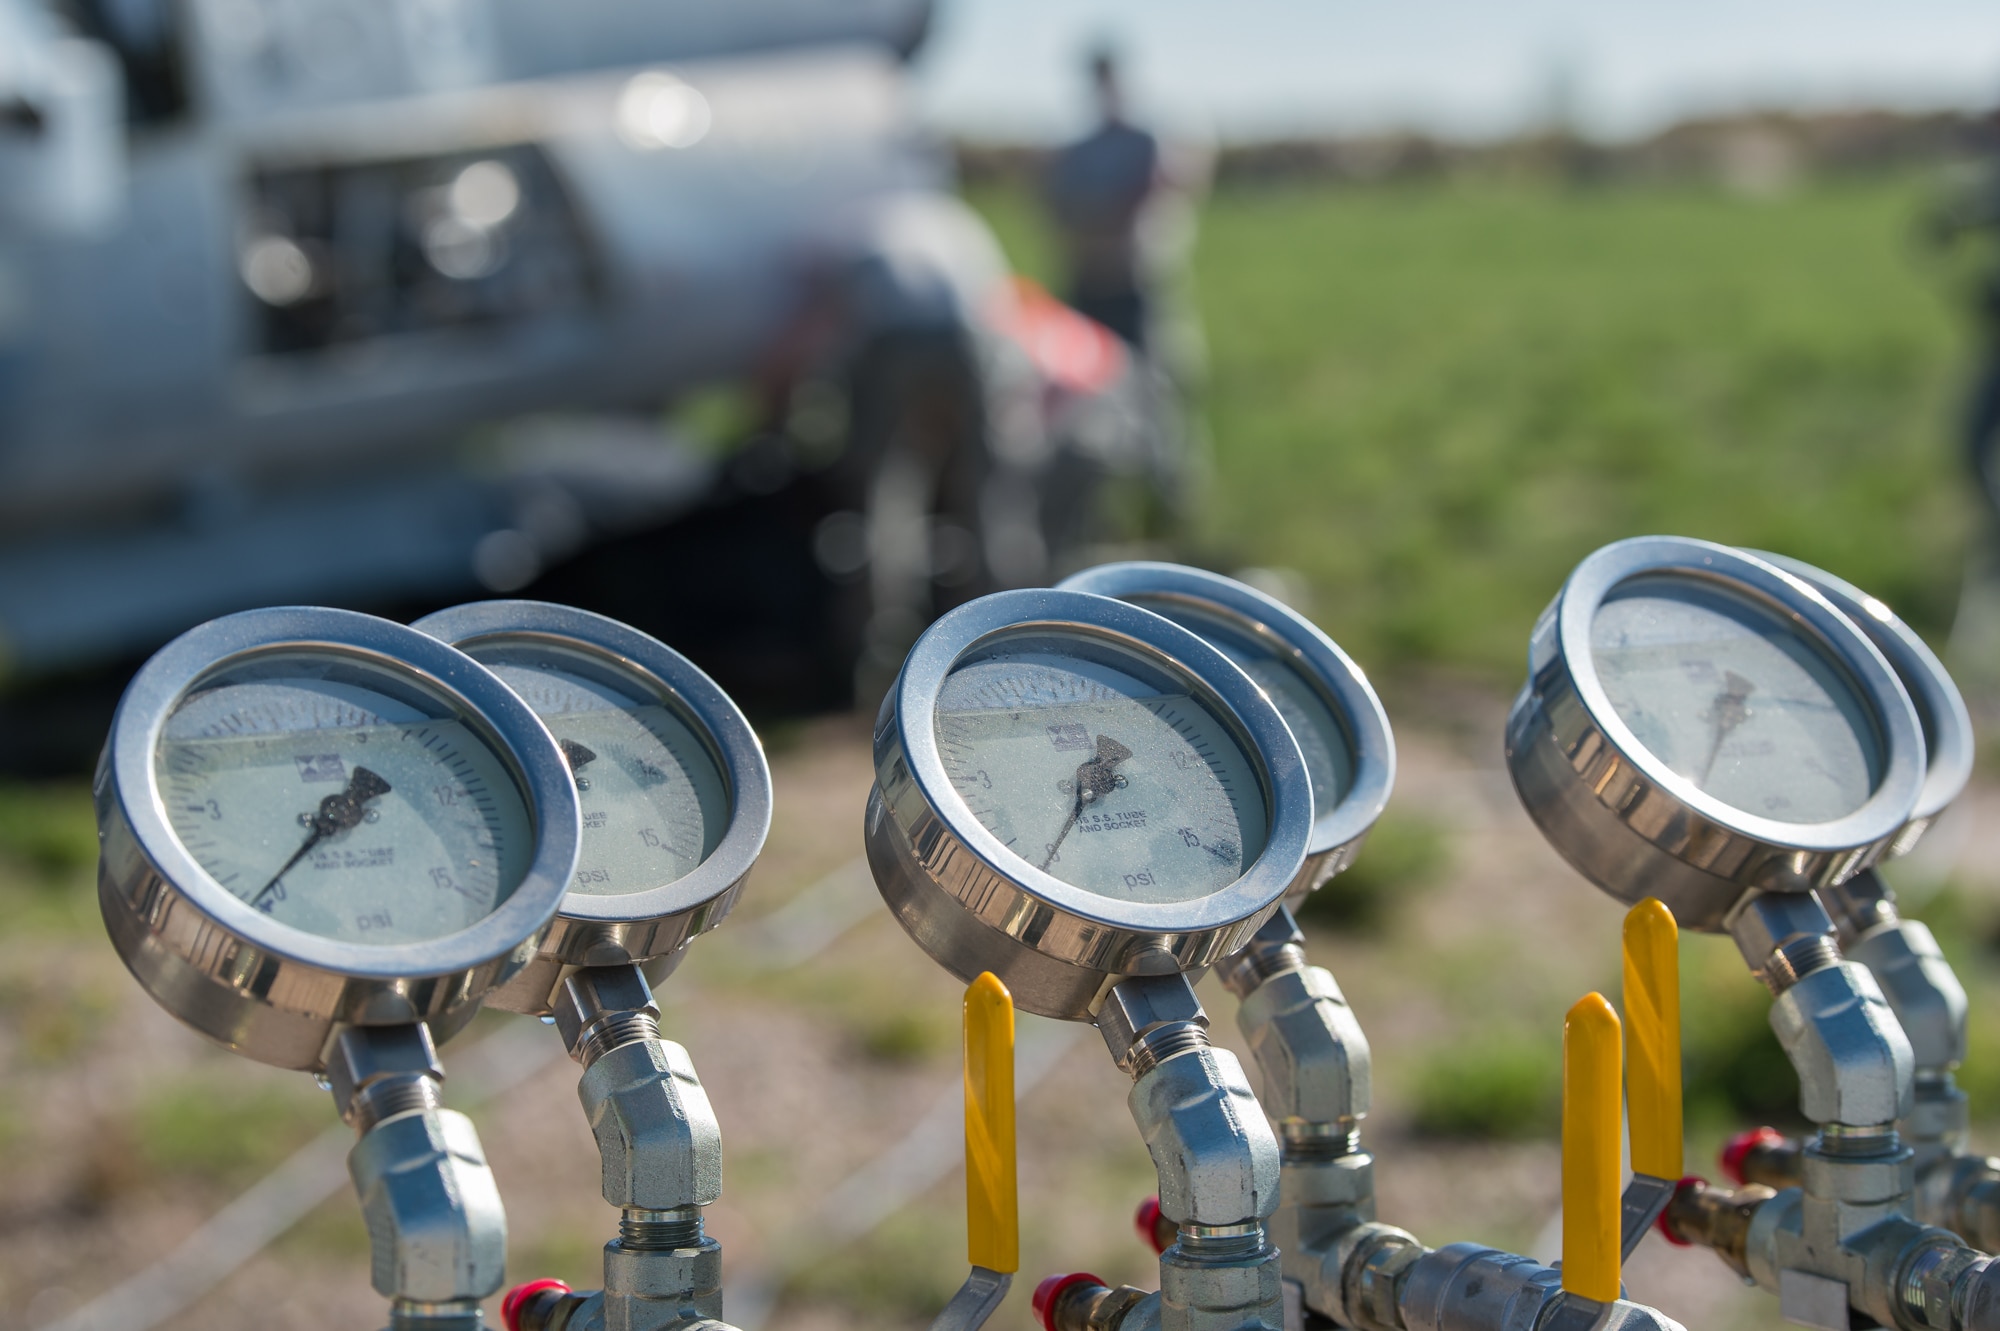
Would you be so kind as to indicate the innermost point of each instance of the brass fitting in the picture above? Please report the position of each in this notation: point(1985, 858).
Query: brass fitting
point(1716, 1218)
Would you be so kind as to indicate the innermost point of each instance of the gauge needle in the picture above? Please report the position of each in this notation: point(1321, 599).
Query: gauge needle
point(1730, 709)
point(579, 757)
point(1097, 777)
point(336, 813)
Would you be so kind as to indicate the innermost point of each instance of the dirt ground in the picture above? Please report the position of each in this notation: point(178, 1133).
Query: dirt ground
point(835, 1081)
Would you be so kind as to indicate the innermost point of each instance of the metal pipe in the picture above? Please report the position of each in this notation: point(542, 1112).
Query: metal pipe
point(661, 1150)
point(437, 1231)
point(1216, 1156)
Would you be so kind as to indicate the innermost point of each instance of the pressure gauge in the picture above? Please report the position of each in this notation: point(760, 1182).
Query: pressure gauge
point(1697, 723)
point(672, 783)
point(1070, 790)
point(1947, 726)
point(1323, 696)
point(312, 818)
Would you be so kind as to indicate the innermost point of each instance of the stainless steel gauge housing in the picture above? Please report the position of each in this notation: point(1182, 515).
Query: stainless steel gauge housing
point(1697, 723)
point(675, 808)
point(1324, 697)
point(1948, 745)
point(445, 833)
point(1034, 728)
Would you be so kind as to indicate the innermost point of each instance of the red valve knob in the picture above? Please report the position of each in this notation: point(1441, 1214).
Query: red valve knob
point(517, 1297)
point(1046, 1294)
point(1660, 1220)
point(1147, 1221)
point(1739, 1147)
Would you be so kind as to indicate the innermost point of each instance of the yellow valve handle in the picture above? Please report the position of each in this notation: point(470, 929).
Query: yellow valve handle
point(992, 1201)
point(1590, 1172)
point(1653, 1034)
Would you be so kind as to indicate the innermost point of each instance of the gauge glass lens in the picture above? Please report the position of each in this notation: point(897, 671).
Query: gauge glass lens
point(1128, 790)
point(1735, 699)
point(348, 807)
point(653, 799)
point(1322, 739)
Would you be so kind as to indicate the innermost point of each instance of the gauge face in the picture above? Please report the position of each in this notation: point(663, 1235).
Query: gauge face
point(1730, 696)
point(340, 810)
point(1329, 757)
point(653, 799)
point(1129, 791)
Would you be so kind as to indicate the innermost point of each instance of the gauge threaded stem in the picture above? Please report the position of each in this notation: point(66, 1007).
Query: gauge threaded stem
point(612, 1030)
point(1164, 1042)
point(1243, 973)
point(1796, 960)
point(389, 1097)
point(640, 1230)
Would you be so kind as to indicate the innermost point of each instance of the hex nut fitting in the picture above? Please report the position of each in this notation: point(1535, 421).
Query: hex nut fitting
point(1921, 988)
point(436, 1229)
point(1214, 1150)
point(1237, 1296)
point(1143, 1004)
point(1979, 1297)
point(359, 1057)
point(1870, 1180)
point(1310, 1050)
point(1764, 922)
point(1923, 1282)
point(1854, 1062)
point(646, 1291)
point(1346, 1181)
point(657, 1135)
point(588, 995)
point(1365, 1274)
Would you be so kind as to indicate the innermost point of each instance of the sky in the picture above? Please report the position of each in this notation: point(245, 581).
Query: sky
point(1010, 69)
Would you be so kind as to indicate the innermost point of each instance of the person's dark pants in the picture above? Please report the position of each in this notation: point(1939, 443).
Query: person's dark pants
point(1982, 432)
point(1123, 312)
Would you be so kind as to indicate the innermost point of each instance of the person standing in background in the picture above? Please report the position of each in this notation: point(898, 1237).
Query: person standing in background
point(1097, 190)
point(1975, 209)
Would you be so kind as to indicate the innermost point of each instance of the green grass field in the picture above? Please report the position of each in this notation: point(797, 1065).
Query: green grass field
point(1433, 400)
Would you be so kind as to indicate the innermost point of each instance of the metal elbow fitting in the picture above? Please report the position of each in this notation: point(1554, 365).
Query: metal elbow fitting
point(657, 1135)
point(1215, 1154)
point(1854, 1062)
point(1209, 1139)
point(1920, 987)
point(437, 1232)
point(1216, 1157)
point(1925, 994)
point(1313, 1057)
point(1905, 959)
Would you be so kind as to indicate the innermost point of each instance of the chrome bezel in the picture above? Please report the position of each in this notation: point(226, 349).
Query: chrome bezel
point(975, 905)
point(1941, 710)
point(635, 927)
point(1636, 828)
point(261, 987)
point(1285, 634)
